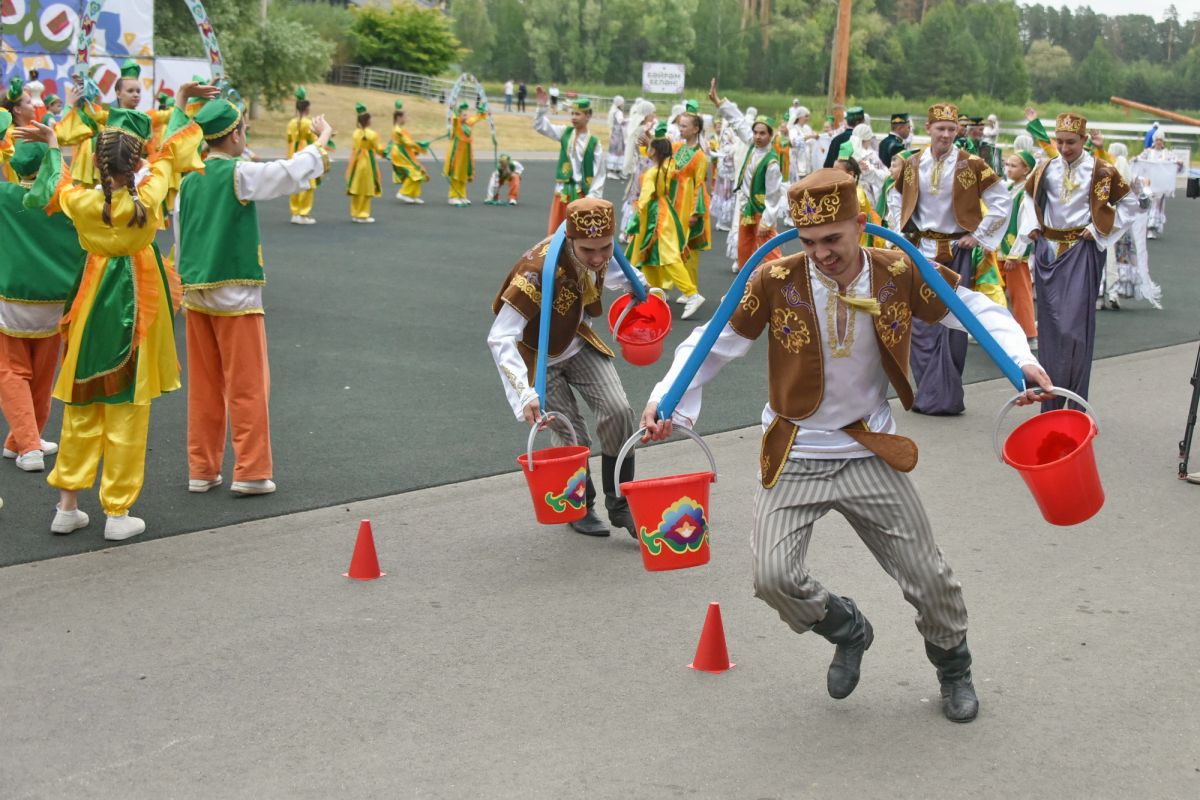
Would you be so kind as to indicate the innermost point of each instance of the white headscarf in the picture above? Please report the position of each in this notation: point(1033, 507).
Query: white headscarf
point(1024, 142)
point(859, 137)
point(1120, 154)
point(618, 103)
point(638, 114)
point(1159, 135)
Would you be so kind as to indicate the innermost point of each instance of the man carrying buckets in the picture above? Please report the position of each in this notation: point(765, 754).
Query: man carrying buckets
point(840, 320)
point(578, 358)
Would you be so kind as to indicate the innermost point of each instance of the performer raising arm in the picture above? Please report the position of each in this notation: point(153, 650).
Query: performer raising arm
point(580, 170)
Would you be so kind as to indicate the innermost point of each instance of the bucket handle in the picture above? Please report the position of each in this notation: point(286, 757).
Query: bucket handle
point(632, 441)
point(1054, 390)
point(533, 431)
point(621, 318)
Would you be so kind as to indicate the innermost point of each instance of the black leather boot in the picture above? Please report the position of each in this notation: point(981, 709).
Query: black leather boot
point(618, 507)
point(846, 627)
point(590, 525)
point(959, 702)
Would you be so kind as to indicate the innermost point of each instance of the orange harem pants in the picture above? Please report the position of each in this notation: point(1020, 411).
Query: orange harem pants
point(229, 379)
point(26, 381)
point(558, 213)
point(749, 240)
point(1020, 297)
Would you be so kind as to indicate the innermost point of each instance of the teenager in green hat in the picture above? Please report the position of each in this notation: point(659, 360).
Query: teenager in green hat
point(580, 170)
point(300, 135)
point(459, 166)
point(404, 152)
point(221, 269)
point(362, 173)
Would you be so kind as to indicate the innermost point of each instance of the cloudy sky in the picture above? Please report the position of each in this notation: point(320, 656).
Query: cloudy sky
point(1154, 8)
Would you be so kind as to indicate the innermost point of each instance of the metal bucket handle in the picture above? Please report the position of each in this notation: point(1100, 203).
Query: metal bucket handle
point(621, 318)
point(632, 441)
point(1054, 390)
point(537, 426)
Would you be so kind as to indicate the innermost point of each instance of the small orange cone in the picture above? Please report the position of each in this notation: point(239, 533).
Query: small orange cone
point(364, 564)
point(711, 654)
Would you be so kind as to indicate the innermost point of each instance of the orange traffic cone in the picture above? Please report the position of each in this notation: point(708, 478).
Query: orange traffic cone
point(364, 564)
point(711, 655)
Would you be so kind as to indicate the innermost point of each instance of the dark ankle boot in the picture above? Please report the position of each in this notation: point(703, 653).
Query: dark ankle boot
point(846, 627)
point(618, 507)
point(959, 702)
point(590, 525)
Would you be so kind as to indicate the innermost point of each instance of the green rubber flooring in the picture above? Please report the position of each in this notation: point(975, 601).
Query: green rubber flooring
point(381, 378)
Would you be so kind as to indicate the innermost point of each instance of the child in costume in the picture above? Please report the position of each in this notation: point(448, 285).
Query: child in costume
point(690, 196)
point(404, 152)
point(1015, 250)
point(656, 235)
point(18, 106)
point(578, 359)
point(759, 187)
point(460, 160)
point(840, 318)
point(507, 173)
point(299, 136)
point(53, 110)
point(362, 173)
point(81, 125)
point(120, 343)
point(220, 266)
point(41, 260)
point(581, 166)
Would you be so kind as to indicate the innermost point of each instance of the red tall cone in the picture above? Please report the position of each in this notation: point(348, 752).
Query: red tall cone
point(711, 655)
point(364, 564)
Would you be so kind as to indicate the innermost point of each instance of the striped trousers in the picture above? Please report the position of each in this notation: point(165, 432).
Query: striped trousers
point(595, 378)
point(882, 506)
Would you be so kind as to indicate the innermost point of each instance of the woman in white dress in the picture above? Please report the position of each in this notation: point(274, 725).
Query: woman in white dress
point(1158, 200)
point(722, 198)
point(1127, 269)
point(616, 137)
point(640, 123)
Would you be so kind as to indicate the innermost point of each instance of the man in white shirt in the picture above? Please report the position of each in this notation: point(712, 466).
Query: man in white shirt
point(578, 360)
point(947, 202)
point(840, 319)
point(508, 94)
point(581, 164)
point(1075, 208)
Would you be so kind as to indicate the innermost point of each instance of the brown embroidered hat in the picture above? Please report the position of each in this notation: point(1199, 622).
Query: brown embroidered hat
point(824, 196)
point(590, 218)
point(1070, 123)
point(942, 112)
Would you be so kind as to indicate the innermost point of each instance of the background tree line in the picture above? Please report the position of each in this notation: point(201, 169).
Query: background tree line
point(915, 49)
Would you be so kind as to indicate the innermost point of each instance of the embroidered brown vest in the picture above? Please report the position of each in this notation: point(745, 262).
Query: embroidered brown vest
point(574, 293)
point(1107, 189)
point(779, 296)
point(972, 176)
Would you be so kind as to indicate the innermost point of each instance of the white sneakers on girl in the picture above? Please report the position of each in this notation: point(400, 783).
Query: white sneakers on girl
point(118, 529)
point(68, 521)
point(253, 487)
point(48, 448)
point(200, 486)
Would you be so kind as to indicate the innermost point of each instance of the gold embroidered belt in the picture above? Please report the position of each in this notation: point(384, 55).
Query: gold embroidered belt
point(944, 254)
point(1063, 237)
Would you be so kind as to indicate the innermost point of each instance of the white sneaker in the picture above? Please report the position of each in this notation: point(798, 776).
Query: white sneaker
point(308, 221)
point(418, 201)
point(734, 268)
point(512, 202)
point(48, 449)
point(68, 521)
point(253, 487)
point(201, 486)
point(32, 461)
point(297, 219)
point(692, 306)
point(403, 198)
point(454, 201)
point(683, 298)
point(118, 529)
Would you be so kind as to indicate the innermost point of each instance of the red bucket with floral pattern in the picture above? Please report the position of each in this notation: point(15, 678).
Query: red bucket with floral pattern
point(671, 515)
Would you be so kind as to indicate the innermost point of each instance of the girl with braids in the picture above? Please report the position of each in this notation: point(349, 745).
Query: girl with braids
point(362, 174)
point(656, 236)
point(118, 327)
point(299, 136)
point(689, 194)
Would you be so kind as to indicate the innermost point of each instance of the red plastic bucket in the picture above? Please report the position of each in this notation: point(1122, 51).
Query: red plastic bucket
point(557, 478)
point(671, 513)
point(1053, 454)
point(640, 328)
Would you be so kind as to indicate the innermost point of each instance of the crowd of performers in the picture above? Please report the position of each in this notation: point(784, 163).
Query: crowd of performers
point(847, 317)
point(86, 293)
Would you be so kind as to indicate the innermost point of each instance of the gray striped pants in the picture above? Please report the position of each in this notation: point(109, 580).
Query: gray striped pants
point(882, 506)
point(595, 378)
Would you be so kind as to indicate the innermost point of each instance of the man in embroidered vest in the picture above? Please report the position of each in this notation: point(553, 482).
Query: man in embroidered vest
point(839, 317)
point(577, 359)
point(221, 268)
point(580, 169)
point(1080, 206)
point(947, 202)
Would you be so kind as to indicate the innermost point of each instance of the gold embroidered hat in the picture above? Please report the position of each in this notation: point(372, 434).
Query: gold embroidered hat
point(942, 112)
point(825, 196)
point(1071, 123)
point(590, 218)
